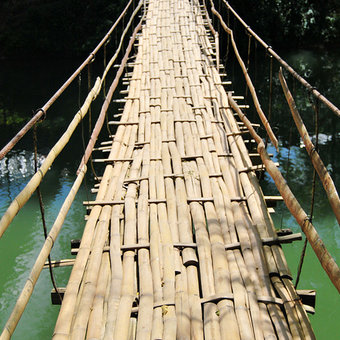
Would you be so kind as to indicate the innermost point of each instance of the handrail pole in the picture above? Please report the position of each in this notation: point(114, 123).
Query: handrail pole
point(270, 50)
point(108, 98)
point(327, 261)
point(42, 111)
point(54, 232)
point(318, 165)
point(25, 194)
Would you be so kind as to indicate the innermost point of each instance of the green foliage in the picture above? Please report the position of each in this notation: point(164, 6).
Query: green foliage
point(291, 24)
point(48, 27)
point(64, 28)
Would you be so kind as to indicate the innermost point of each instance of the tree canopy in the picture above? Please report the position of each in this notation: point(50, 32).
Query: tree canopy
point(32, 28)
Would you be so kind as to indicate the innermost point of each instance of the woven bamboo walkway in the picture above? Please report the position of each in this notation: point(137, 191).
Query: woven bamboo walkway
point(179, 243)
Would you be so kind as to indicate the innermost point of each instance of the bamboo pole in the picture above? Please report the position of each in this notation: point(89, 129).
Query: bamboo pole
point(96, 325)
point(144, 322)
point(127, 293)
point(116, 188)
point(39, 114)
point(325, 258)
point(191, 174)
point(318, 165)
point(124, 142)
point(34, 182)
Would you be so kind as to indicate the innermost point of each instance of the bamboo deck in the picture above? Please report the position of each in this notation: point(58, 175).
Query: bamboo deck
point(174, 246)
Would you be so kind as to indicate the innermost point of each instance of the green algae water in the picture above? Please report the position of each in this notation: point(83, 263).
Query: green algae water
point(25, 86)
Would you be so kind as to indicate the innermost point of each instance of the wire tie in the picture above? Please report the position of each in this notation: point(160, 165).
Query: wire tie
point(108, 40)
point(267, 48)
point(93, 58)
point(43, 117)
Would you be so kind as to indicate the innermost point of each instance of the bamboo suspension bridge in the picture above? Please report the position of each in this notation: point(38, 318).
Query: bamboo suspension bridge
point(179, 242)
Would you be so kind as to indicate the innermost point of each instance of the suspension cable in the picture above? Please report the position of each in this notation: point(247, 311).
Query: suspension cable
point(315, 106)
point(248, 63)
point(270, 100)
point(42, 209)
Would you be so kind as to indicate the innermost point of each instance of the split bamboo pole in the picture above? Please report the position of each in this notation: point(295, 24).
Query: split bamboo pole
point(127, 290)
point(225, 307)
point(293, 205)
point(116, 189)
point(125, 142)
point(64, 321)
point(96, 325)
point(144, 322)
point(318, 165)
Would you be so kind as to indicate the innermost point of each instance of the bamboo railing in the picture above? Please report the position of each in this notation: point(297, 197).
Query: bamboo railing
point(34, 182)
point(325, 258)
point(318, 165)
point(42, 111)
point(31, 186)
point(270, 50)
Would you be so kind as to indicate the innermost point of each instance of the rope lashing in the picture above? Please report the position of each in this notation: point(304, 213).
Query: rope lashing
point(92, 59)
point(267, 50)
point(88, 90)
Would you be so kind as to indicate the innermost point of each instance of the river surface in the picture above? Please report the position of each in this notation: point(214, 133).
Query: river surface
point(24, 86)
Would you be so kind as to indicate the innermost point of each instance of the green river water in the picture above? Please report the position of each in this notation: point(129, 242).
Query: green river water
point(25, 86)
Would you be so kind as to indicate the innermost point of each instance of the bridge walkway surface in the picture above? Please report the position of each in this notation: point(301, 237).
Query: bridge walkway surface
point(179, 242)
